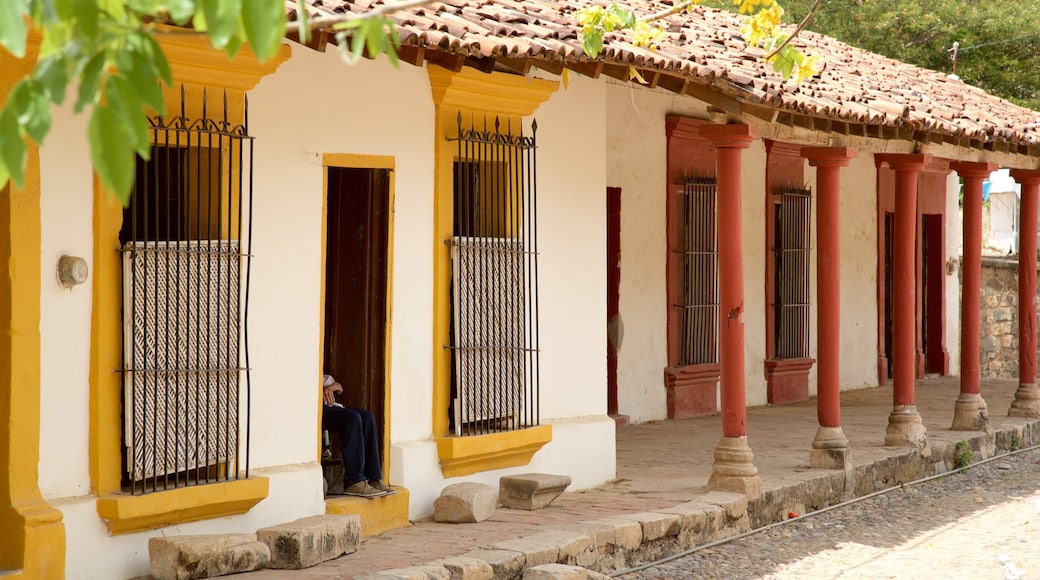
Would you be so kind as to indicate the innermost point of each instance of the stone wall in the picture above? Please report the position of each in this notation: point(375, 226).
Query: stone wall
point(998, 329)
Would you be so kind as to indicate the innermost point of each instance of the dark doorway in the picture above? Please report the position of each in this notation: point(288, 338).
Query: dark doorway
point(613, 294)
point(932, 266)
point(356, 287)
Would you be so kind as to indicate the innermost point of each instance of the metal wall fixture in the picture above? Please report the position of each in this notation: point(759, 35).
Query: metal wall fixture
point(72, 271)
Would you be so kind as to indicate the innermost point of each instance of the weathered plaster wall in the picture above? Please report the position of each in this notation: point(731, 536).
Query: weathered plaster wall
point(951, 280)
point(859, 259)
point(637, 162)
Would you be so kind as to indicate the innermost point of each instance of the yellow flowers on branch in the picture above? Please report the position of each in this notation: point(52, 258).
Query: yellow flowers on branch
point(761, 28)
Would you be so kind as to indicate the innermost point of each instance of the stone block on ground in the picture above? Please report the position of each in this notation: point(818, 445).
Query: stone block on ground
point(426, 572)
point(310, 541)
point(466, 502)
point(531, 491)
point(561, 572)
point(464, 568)
point(205, 556)
point(504, 563)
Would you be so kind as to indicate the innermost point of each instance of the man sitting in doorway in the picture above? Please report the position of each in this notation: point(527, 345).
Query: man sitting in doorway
point(363, 472)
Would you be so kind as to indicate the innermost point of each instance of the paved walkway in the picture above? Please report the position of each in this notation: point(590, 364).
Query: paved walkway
point(665, 463)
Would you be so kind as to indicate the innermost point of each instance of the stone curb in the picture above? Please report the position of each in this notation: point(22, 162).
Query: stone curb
point(628, 539)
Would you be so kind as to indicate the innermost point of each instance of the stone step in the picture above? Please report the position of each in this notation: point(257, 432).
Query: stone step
point(530, 491)
point(466, 502)
point(205, 556)
point(310, 541)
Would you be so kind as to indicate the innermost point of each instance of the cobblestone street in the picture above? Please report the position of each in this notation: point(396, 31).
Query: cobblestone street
point(981, 523)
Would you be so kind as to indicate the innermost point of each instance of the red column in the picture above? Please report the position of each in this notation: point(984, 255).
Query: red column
point(830, 447)
point(730, 140)
point(828, 162)
point(970, 412)
point(905, 427)
point(1027, 397)
point(733, 468)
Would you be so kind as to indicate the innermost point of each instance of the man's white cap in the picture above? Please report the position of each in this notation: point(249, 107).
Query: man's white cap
point(329, 381)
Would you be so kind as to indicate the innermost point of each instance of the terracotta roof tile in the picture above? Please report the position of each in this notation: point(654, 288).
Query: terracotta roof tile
point(704, 47)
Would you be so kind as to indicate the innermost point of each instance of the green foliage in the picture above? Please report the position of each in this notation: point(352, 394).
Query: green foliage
point(1016, 442)
point(760, 28)
point(108, 49)
point(998, 40)
point(963, 455)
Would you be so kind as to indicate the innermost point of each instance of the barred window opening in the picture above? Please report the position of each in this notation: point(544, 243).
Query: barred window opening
point(494, 298)
point(699, 320)
point(185, 283)
point(791, 245)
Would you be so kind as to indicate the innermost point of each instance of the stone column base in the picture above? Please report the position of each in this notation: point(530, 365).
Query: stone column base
point(733, 469)
point(830, 449)
point(1027, 402)
point(905, 429)
point(970, 414)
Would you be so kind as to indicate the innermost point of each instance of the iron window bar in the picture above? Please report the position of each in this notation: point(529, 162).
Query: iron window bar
point(792, 246)
point(494, 288)
point(699, 274)
point(186, 392)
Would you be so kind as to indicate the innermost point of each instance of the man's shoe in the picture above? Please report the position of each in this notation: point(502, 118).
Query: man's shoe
point(378, 484)
point(363, 489)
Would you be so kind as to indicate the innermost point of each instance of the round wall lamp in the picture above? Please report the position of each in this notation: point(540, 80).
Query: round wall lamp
point(71, 271)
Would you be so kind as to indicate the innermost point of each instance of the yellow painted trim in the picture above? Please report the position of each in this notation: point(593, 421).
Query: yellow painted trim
point(466, 455)
point(32, 532)
point(197, 67)
point(362, 161)
point(124, 513)
point(195, 62)
point(498, 93)
point(466, 92)
point(378, 515)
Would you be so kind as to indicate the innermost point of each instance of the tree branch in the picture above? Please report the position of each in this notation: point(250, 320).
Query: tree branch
point(801, 26)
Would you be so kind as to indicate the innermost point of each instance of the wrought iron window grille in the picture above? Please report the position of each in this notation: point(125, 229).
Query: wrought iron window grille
point(185, 242)
point(699, 302)
point(791, 248)
point(494, 285)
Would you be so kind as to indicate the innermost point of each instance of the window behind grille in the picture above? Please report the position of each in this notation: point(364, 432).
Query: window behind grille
point(699, 322)
point(791, 284)
point(494, 300)
point(185, 279)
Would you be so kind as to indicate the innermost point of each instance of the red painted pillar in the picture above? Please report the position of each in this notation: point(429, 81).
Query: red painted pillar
point(970, 412)
point(733, 468)
point(905, 427)
point(830, 447)
point(1027, 397)
point(730, 140)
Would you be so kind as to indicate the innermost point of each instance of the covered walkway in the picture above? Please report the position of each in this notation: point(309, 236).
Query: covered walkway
point(666, 463)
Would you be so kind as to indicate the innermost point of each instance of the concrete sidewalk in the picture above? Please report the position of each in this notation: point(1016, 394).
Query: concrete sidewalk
point(662, 470)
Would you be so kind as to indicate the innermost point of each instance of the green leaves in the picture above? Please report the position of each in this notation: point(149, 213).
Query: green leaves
point(370, 36)
point(12, 27)
point(264, 24)
point(113, 161)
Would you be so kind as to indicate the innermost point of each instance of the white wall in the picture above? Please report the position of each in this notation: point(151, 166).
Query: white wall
point(859, 263)
point(637, 163)
point(952, 277)
point(66, 207)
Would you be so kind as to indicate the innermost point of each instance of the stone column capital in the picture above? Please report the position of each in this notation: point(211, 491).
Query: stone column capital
point(973, 169)
point(910, 162)
point(829, 156)
point(1026, 176)
point(729, 136)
